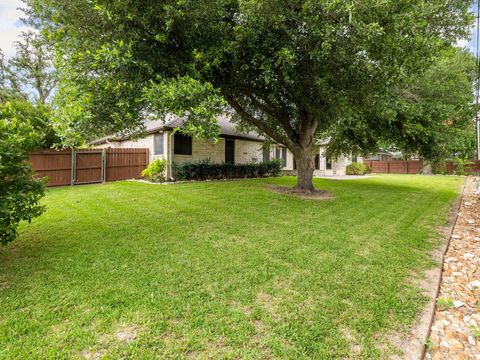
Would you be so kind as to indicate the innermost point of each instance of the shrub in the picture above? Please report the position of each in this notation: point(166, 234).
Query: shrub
point(207, 170)
point(156, 170)
point(439, 167)
point(20, 192)
point(356, 168)
point(460, 165)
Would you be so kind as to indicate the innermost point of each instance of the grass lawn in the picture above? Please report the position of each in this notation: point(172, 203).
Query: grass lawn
point(221, 269)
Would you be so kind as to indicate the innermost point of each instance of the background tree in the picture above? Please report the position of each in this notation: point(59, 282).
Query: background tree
point(30, 71)
point(437, 109)
point(20, 192)
point(432, 115)
point(27, 80)
point(9, 87)
point(296, 70)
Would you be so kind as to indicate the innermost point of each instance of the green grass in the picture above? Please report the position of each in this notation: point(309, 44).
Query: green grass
point(221, 269)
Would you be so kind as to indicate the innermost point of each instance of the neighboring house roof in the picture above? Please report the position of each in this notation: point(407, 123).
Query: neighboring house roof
point(379, 153)
point(227, 129)
point(385, 152)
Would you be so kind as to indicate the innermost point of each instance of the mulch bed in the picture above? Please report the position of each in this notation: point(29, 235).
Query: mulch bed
point(455, 332)
point(310, 195)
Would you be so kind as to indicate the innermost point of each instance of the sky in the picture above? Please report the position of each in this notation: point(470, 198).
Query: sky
point(11, 26)
point(472, 44)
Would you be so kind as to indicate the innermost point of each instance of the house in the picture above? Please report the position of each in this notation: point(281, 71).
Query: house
point(382, 156)
point(233, 146)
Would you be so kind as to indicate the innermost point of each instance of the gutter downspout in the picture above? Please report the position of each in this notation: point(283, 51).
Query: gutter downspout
point(170, 158)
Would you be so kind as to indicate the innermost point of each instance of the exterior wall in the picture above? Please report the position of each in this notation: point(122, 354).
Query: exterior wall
point(245, 151)
point(110, 144)
point(322, 162)
point(202, 150)
point(149, 142)
point(145, 142)
point(289, 165)
point(289, 162)
point(248, 151)
point(338, 165)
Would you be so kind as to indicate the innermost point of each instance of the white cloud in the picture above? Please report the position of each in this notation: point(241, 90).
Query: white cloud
point(10, 26)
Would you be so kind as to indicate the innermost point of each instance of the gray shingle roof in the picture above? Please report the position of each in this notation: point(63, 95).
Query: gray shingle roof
point(227, 128)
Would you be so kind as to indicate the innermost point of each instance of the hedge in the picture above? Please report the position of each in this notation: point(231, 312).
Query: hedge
point(207, 170)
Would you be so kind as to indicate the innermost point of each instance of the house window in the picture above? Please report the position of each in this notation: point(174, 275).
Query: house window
point(158, 140)
point(328, 163)
point(284, 157)
point(354, 158)
point(277, 152)
point(317, 162)
point(182, 144)
point(266, 153)
point(229, 151)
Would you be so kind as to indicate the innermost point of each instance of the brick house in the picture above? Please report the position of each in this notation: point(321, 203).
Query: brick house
point(232, 147)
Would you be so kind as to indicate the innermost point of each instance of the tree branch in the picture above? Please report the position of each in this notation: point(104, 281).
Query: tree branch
point(256, 122)
point(287, 127)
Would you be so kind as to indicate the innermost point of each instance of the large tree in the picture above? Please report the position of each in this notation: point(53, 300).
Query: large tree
point(431, 115)
point(296, 70)
point(436, 110)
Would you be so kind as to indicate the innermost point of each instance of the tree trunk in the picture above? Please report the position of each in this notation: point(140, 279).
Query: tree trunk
point(304, 160)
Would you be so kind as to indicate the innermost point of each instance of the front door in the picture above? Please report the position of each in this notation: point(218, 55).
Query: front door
point(230, 151)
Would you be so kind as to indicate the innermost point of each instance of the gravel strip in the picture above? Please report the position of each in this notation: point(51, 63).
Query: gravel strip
point(455, 332)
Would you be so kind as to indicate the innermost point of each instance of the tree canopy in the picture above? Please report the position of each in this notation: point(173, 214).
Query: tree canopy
point(437, 109)
point(297, 70)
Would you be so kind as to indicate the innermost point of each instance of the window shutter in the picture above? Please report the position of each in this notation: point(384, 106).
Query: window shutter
point(284, 156)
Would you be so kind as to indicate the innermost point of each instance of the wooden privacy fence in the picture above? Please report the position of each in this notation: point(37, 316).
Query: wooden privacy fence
point(85, 166)
point(395, 166)
point(471, 167)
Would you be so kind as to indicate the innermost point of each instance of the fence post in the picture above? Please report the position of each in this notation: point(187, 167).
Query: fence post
point(74, 167)
point(104, 165)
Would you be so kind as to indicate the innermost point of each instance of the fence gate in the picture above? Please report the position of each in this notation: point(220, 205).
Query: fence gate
point(87, 166)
